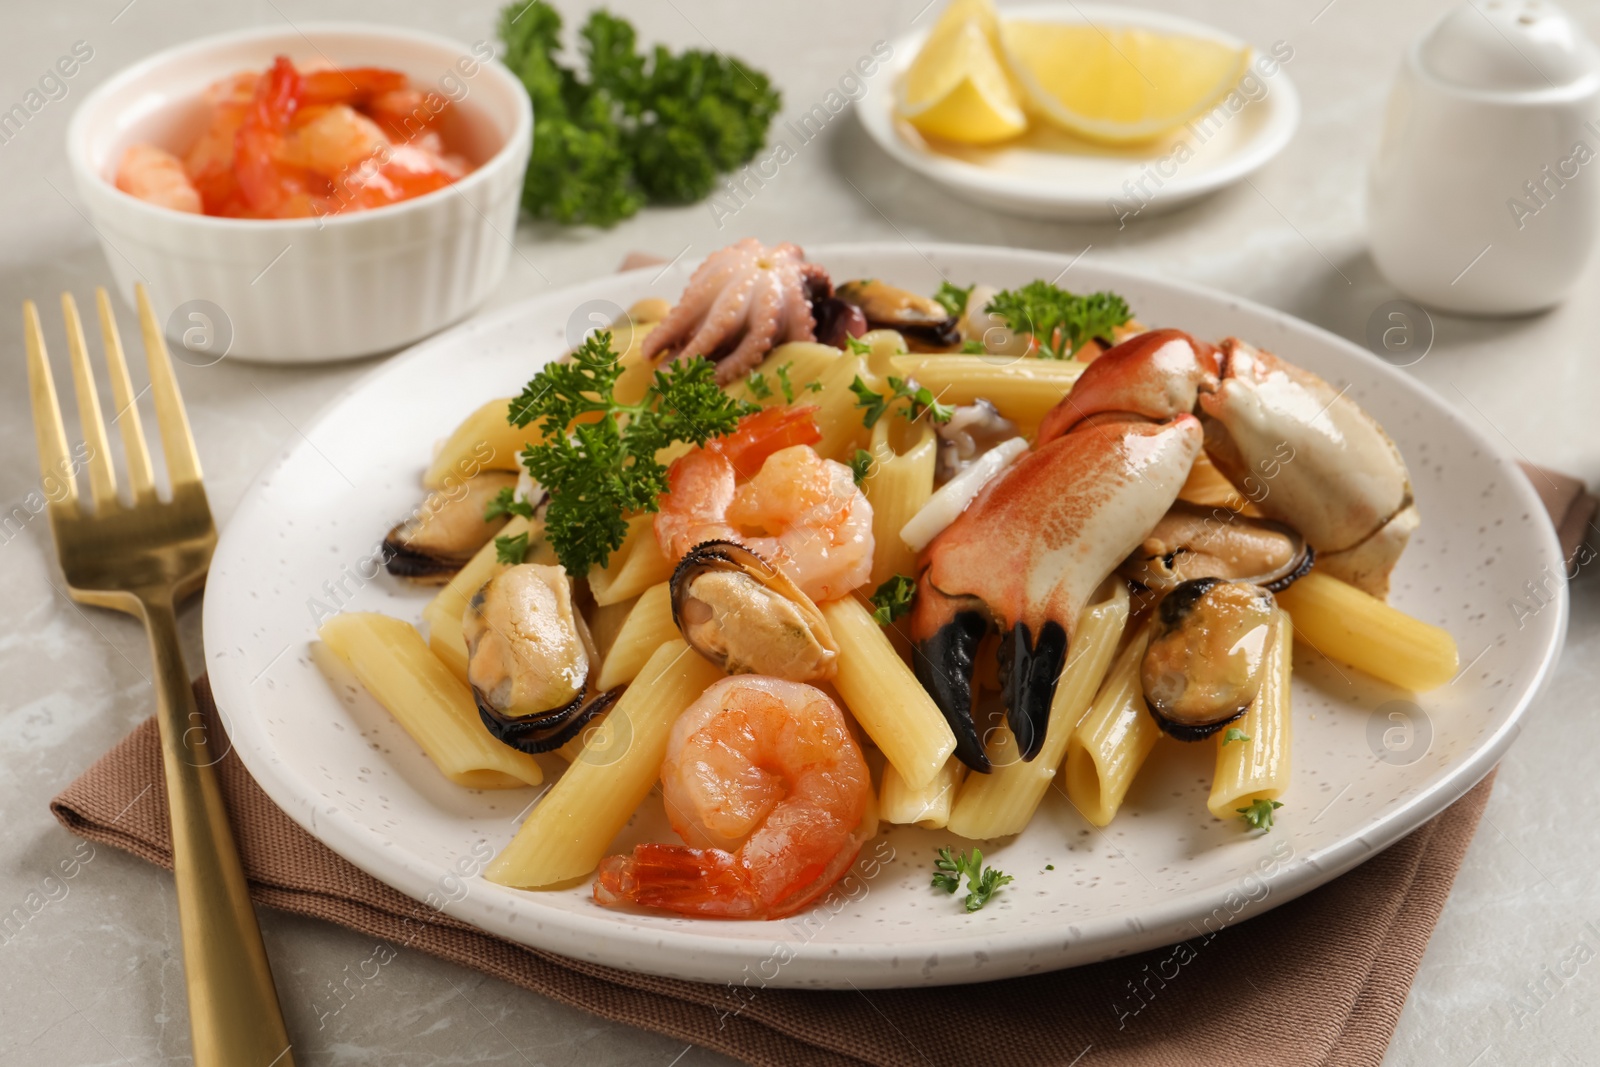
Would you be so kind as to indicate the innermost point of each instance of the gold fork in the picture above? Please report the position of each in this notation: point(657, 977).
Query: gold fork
point(144, 559)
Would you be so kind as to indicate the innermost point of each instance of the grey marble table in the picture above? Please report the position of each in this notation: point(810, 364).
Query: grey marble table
point(93, 976)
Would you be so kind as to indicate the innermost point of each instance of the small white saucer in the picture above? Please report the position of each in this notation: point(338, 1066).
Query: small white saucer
point(1048, 173)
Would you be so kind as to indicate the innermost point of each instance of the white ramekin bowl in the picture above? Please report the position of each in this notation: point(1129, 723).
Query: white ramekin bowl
point(305, 290)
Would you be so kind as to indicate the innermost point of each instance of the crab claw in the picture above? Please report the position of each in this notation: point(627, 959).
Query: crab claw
point(1308, 455)
point(944, 661)
point(1026, 557)
point(1029, 671)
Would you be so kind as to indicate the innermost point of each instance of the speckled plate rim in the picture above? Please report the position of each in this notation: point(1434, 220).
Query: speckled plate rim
point(1040, 197)
point(683, 953)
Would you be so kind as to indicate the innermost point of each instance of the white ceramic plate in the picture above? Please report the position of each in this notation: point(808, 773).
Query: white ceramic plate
point(1052, 174)
point(1369, 765)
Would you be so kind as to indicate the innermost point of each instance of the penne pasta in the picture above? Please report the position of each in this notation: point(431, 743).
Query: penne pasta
point(1113, 740)
point(1256, 767)
point(485, 441)
point(837, 414)
point(648, 626)
point(1001, 802)
point(1343, 623)
point(929, 806)
point(806, 361)
point(898, 485)
point(885, 697)
point(634, 567)
point(605, 623)
point(567, 834)
point(433, 705)
point(637, 372)
point(1023, 389)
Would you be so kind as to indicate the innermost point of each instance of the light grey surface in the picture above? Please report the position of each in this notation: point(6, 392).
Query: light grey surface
point(93, 977)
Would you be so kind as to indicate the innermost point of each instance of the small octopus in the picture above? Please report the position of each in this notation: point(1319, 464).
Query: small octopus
point(740, 303)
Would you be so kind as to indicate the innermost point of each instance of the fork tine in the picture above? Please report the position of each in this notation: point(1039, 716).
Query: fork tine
point(55, 464)
point(140, 474)
point(102, 476)
point(183, 462)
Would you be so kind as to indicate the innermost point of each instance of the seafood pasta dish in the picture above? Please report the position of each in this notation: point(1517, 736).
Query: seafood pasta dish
point(820, 556)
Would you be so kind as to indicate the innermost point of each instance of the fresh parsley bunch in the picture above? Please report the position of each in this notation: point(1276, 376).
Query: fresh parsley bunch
point(626, 129)
point(1060, 321)
point(601, 470)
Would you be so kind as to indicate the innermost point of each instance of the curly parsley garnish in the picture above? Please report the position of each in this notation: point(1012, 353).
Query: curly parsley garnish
point(511, 550)
point(919, 399)
point(1259, 813)
point(953, 298)
point(982, 881)
point(861, 465)
point(788, 387)
point(758, 385)
point(893, 599)
point(1060, 321)
point(973, 348)
point(1234, 734)
point(505, 503)
point(597, 473)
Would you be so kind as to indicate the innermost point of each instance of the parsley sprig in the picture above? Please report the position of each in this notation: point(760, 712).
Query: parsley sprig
point(893, 599)
point(953, 298)
point(982, 881)
point(1060, 321)
point(919, 399)
point(505, 503)
point(762, 390)
point(1259, 813)
point(860, 465)
point(599, 472)
point(511, 550)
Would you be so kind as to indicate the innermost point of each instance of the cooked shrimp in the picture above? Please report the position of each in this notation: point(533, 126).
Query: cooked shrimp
point(271, 188)
point(157, 177)
point(767, 787)
point(332, 140)
point(802, 512)
point(209, 160)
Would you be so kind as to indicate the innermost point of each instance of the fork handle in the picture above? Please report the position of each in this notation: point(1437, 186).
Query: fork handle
point(234, 1019)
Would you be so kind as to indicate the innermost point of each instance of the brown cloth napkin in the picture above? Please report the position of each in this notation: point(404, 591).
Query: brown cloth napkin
point(1318, 981)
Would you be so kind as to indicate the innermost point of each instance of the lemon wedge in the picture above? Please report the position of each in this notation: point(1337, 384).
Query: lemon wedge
point(1118, 84)
point(957, 87)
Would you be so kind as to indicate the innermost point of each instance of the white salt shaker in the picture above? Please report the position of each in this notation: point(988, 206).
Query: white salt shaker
point(1484, 197)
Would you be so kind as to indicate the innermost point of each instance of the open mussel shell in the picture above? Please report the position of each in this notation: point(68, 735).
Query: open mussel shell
point(925, 323)
point(1194, 541)
point(748, 617)
point(1204, 666)
point(446, 531)
point(529, 658)
point(525, 736)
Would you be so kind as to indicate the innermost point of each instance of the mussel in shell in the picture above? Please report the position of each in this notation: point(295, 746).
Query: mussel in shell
point(1192, 541)
point(748, 617)
point(925, 323)
point(1204, 666)
point(446, 531)
point(529, 658)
